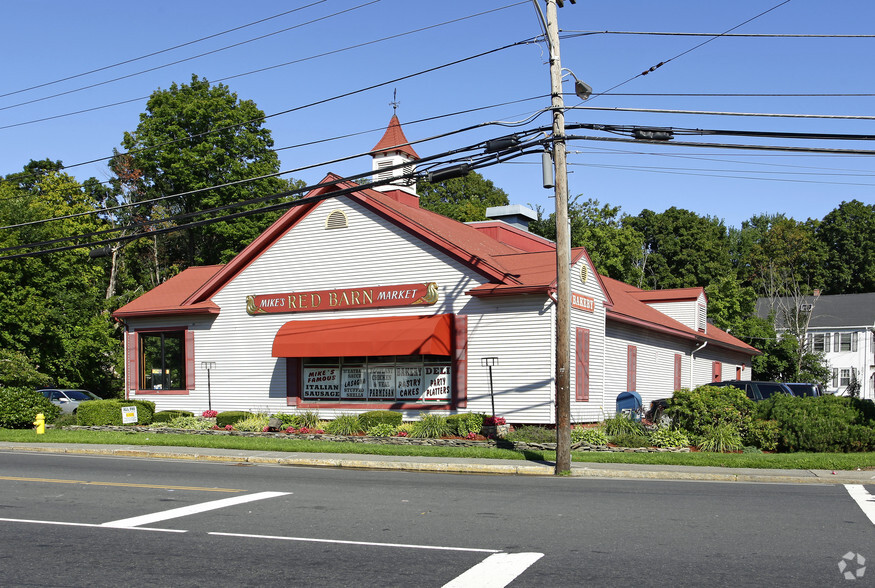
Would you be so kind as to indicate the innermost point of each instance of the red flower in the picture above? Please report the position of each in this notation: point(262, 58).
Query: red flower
point(229, 427)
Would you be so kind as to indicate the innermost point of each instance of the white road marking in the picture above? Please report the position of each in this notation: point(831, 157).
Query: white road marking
point(344, 542)
point(190, 510)
point(863, 499)
point(496, 571)
point(66, 524)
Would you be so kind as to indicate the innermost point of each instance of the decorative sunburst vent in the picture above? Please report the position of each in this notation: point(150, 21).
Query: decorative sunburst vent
point(336, 220)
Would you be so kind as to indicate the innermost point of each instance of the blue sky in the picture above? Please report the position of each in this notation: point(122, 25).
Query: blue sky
point(47, 40)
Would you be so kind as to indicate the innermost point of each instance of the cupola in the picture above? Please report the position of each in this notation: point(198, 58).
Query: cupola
point(394, 150)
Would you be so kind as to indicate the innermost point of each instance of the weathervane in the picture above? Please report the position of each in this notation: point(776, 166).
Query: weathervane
point(394, 104)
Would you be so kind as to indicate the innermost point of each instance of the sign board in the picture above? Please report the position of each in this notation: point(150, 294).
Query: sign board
point(322, 382)
point(129, 415)
point(344, 299)
point(582, 302)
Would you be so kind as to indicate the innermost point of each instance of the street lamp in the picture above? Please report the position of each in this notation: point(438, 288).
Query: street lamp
point(209, 365)
point(489, 362)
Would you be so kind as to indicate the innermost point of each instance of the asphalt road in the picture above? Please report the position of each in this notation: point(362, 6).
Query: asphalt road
point(68, 520)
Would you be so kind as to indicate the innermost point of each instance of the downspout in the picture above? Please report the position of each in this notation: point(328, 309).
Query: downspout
point(692, 353)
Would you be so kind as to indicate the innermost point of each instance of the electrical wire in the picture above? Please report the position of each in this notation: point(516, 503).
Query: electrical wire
point(723, 113)
point(570, 34)
point(726, 145)
point(178, 61)
point(160, 51)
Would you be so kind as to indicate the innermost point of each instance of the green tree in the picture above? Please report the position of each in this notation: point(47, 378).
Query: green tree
point(615, 249)
point(848, 234)
point(682, 249)
point(52, 305)
point(464, 199)
point(191, 137)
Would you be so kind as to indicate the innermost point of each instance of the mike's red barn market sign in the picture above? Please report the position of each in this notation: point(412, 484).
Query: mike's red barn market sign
point(344, 299)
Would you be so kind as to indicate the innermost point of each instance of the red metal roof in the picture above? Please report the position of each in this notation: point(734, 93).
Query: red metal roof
point(170, 297)
point(394, 140)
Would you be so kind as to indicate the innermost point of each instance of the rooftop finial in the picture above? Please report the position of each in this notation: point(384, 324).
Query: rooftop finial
point(394, 104)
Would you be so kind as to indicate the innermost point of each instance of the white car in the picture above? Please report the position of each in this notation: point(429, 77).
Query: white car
point(68, 399)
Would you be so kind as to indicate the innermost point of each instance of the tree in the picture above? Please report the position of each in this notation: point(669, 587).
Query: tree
point(192, 137)
point(615, 249)
point(52, 306)
point(464, 199)
point(682, 249)
point(848, 234)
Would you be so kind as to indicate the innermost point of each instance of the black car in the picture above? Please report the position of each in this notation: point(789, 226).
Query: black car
point(756, 390)
point(801, 389)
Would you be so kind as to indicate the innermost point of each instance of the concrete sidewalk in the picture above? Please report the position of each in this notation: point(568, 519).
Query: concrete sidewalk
point(455, 465)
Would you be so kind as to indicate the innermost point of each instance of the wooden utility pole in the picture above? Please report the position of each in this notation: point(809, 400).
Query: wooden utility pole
point(563, 253)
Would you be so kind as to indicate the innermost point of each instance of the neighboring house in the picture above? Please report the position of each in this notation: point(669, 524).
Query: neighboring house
point(357, 299)
point(841, 327)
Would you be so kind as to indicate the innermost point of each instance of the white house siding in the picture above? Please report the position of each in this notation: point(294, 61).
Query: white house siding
point(593, 409)
point(517, 330)
point(684, 312)
point(729, 361)
point(845, 360)
point(370, 252)
point(656, 353)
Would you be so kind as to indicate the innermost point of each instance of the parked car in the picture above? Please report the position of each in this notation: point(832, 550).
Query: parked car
point(801, 389)
point(756, 391)
point(68, 399)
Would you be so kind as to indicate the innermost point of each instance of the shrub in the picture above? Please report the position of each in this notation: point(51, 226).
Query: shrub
point(666, 437)
point(19, 406)
point(209, 414)
point(620, 424)
point(65, 420)
point(822, 423)
point(463, 424)
point(492, 421)
point(432, 426)
point(720, 438)
point(631, 440)
point(532, 434)
point(763, 435)
point(230, 417)
point(97, 413)
point(591, 435)
point(345, 424)
point(190, 422)
point(707, 406)
point(165, 416)
point(308, 419)
point(383, 430)
point(254, 422)
point(376, 417)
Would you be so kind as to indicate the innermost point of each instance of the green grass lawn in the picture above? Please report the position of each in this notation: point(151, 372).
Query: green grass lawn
point(820, 461)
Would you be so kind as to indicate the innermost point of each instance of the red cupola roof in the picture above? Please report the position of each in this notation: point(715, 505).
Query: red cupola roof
point(394, 140)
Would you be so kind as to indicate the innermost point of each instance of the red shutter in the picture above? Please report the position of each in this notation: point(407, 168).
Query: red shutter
point(294, 367)
point(716, 371)
point(581, 384)
point(677, 371)
point(737, 373)
point(132, 363)
point(189, 360)
point(460, 361)
point(631, 368)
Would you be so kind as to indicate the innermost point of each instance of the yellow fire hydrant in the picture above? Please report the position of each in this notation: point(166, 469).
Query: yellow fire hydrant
point(40, 423)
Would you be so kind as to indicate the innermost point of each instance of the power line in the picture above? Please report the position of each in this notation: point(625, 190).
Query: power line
point(154, 53)
point(178, 61)
point(238, 75)
point(727, 145)
point(723, 113)
point(570, 34)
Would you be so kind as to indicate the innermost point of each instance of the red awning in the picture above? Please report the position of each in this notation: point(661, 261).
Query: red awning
point(392, 335)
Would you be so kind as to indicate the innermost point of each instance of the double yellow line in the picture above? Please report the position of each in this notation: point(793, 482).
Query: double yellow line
point(120, 484)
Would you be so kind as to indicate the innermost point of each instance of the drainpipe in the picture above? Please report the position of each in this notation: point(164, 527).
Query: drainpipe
point(692, 353)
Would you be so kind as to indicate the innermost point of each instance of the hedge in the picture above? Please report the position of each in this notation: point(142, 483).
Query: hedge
point(232, 417)
point(462, 424)
point(97, 413)
point(379, 417)
point(19, 406)
point(165, 416)
point(821, 423)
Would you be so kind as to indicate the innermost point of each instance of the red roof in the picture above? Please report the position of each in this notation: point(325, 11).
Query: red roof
point(508, 269)
point(170, 297)
point(394, 140)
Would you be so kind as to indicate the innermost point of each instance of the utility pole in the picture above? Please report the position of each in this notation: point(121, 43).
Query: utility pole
point(563, 252)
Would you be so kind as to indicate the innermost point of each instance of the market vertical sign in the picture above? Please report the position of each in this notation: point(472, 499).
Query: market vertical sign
point(343, 299)
point(581, 302)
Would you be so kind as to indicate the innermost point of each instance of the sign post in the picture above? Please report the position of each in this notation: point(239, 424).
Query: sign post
point(489, 362)
point(129, 415)
point(209, 365)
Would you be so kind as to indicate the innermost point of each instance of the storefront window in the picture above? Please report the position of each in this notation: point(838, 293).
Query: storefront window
point(162, 361)
point(416, 378)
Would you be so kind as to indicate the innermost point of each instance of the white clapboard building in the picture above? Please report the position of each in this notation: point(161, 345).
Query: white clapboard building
point(358, 299)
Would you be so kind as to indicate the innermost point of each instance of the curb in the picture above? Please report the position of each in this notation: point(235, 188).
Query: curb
point(580, 471)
